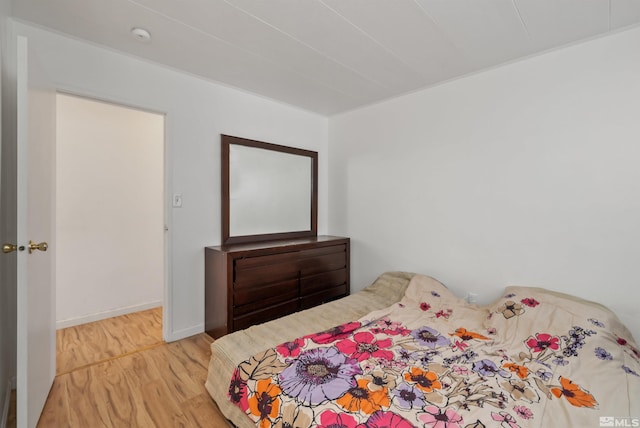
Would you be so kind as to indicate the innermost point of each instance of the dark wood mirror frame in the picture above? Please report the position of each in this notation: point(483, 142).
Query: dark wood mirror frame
point(226, 141)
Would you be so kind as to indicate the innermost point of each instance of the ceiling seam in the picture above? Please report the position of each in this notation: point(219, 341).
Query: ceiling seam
point(309, 46)
point(242, 49)
point(371, 38)
point(524, 25)
point(443, 32)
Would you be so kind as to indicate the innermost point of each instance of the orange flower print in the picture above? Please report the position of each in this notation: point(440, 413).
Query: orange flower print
point(361, 399)
point(463, 334)
point(265, 403)
point(574, 394)
point(521, 371)
point(425, 380)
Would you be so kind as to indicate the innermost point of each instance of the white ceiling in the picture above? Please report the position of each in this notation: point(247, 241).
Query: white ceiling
point(330, 56)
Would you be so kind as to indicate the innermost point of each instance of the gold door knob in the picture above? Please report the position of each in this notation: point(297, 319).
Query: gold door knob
point(41, 246)
point(9, 248)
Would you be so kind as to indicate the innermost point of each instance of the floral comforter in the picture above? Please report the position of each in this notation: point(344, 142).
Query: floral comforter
point(533, 359)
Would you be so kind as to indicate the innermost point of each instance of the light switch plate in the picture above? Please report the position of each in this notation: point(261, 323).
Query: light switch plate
point(177, 200)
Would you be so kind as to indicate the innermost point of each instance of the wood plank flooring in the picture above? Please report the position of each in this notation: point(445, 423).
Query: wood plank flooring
point(158, 385)
point(102, 340)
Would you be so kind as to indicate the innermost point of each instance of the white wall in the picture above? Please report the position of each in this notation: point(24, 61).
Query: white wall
point(525, 174)
point(109, 210)
point(197, 112)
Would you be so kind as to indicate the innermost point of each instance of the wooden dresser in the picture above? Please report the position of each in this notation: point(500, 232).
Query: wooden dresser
point(247, 284)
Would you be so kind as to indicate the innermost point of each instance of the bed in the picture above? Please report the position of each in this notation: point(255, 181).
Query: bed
point(407, 352)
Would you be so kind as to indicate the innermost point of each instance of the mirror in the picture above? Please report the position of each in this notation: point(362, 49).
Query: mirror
point(268, 191)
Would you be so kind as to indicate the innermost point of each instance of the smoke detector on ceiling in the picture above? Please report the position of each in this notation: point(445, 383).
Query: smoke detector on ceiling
point(141, 34)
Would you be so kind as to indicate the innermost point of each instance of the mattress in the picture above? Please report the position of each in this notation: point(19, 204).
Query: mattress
point(406, 352)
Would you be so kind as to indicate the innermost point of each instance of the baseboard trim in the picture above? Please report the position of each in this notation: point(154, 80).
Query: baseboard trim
point(70, 322)
point(5, 404)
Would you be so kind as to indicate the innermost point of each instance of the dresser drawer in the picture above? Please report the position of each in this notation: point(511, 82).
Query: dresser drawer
point(322, 260)
point(257, 271)
point(255, 261)
point(316, 283)
point(265, 314)
point(323, 296)
point(321, 251)
point(250, 299)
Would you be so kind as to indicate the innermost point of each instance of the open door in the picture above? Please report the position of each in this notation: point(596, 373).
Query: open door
point(35, 369)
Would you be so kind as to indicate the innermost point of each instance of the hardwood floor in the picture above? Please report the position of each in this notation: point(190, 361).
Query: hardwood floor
point(158, 387)
point(99, 341)
point(156, 384)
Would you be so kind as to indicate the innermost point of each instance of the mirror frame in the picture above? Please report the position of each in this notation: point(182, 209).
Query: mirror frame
point(226, 141)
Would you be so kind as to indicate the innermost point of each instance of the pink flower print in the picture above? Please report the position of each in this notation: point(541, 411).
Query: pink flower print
point(532, 303)
point(386, 326)
point(364, 346)
point(523, 412)
point(460, 345)
point(507, 420)
point(335, 333)
point(542, 341)
point(461, 370)
point(238, 391)
point(367, 366)
point(382, 419)
point(425, 306)
point(436, 418)
point(444, 314)
point(330, 419)
point(290, 349)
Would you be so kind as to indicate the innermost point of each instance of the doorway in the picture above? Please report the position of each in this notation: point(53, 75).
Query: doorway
point(110, 225)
